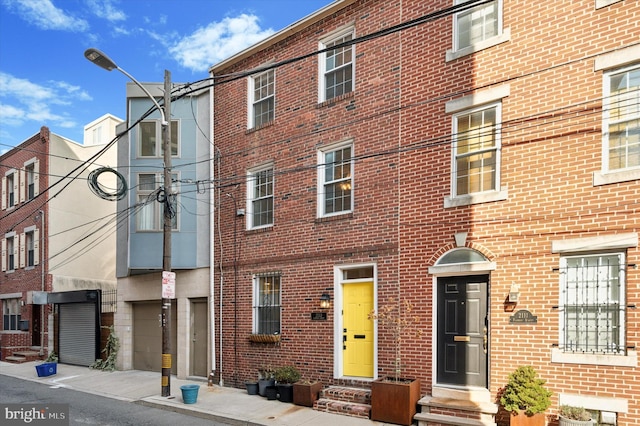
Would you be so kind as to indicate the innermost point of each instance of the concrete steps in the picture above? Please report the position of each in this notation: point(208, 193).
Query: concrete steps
point(23, 355)
point(347, 401)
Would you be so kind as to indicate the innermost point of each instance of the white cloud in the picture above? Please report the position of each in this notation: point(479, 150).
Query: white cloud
point(43, 14)
point(24, 101)
point(218, 41)
point(106, 10)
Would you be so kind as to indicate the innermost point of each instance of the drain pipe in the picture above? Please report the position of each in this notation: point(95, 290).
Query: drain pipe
point(43, 308)
point(212, 256)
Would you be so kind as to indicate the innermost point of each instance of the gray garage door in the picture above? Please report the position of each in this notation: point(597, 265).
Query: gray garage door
point(77, 333)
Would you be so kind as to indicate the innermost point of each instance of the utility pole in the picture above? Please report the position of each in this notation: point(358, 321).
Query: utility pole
point(168, 214)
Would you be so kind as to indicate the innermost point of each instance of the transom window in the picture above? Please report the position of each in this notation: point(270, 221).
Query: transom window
point(621, 118)
point(476, 24)
point(267, 303)
point(150, 212)
point(260, 198)
point(150, 139)
point(337, 67)
point(476, 151)
point(262, 90)
point(592, 303)
point(11, 314)
point(335, 177)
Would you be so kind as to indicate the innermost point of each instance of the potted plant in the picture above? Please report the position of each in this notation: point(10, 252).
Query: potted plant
point(574, 416)
point(285, 377)
point(305, 392)
point(526, 397)
point(394, 398)
point(265, 378)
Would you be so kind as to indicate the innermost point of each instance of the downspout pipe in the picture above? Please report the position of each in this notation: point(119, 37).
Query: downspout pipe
point(212, 255)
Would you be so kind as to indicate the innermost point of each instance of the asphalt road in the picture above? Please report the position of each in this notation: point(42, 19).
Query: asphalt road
point(90, 409)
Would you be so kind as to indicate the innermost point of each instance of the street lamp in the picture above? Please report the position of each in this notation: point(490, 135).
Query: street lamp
point(103, 61)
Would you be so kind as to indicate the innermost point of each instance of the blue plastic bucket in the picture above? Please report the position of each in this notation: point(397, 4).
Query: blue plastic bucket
point(189, 393)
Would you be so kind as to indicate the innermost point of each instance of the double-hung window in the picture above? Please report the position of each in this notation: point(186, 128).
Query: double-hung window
point(9, 252)
point(32, 179)
point(335, 180)
point(592, 303)
point(31, 247)
point(9, 189)
point(262, 98)
point(260, 197)
point(151, 204)
point(476, 28)
point(476, 150)
point(266, 304)
point(150, 139)
point(11, 314)
point(621, 119)
point(336, 65)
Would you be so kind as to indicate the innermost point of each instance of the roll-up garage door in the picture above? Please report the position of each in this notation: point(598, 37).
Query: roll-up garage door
point(77, 333)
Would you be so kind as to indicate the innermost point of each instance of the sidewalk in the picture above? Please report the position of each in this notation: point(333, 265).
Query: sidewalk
point(224, 404)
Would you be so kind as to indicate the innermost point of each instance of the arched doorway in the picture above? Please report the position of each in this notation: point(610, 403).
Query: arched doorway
point(461, 279)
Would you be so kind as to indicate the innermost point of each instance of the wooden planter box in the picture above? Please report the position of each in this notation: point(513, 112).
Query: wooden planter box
point(306, 394)
point(394, 401)
point(521, 419)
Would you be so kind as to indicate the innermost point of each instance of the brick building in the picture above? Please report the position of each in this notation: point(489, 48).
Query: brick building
point(479, 159)
point(54, 262)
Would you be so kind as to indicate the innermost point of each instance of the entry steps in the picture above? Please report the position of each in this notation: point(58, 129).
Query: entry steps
point(348, 401)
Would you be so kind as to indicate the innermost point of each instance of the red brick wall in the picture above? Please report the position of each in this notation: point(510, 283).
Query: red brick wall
point(551, 145)
point(23, 215)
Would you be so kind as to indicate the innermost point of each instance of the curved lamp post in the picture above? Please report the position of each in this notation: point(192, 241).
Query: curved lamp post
point(103, 61)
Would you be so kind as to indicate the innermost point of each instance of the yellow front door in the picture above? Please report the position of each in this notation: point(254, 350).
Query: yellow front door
point(357, 336)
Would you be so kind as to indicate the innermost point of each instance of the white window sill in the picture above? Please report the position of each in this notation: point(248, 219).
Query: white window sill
point(604, 3)
point(600, 178)
point(630, 360)
point(485, 44)
point(479, 198)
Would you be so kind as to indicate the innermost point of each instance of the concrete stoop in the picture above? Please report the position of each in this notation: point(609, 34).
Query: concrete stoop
point(446, 410)
point(23, 355)
point(347, 401)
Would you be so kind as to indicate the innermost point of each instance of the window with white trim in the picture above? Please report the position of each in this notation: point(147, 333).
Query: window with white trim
point(11, 314)
point(150, 209)
point(592, 303)
point(32, 178)
point(337, 71)
point(260, 197)
point(10, 252)
point(266, 304)
point(335, 180)
point(621, 119)
point(150, 139)
point(10, 189)
point(30, 250)
point(476, 150)
point(477, 24)
point(262, 98)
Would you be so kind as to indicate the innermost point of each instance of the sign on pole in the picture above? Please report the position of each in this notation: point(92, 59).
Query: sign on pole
point(168, 285)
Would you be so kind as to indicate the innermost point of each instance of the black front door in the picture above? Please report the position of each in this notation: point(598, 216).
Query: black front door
point(462, 330)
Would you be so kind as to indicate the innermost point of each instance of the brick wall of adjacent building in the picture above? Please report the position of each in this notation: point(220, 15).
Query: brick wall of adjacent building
point(551, 146)
point(15, 219)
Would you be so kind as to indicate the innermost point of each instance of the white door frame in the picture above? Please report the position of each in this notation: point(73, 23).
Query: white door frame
point(338, 325)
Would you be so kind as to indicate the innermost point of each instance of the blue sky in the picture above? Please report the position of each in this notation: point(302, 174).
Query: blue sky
point(45, 79)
